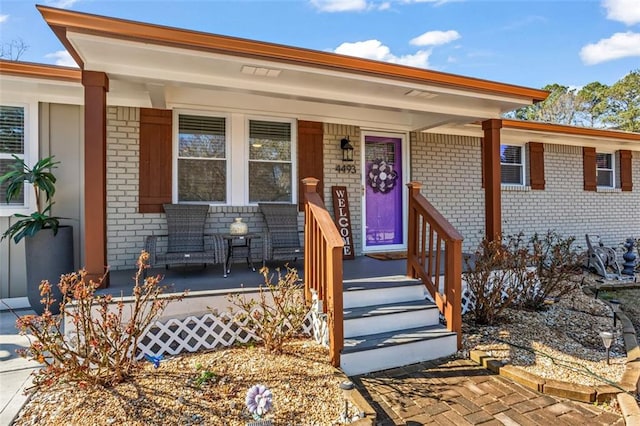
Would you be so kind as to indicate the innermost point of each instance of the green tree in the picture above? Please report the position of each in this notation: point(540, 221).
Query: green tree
point(593, 103)
point(624, 103)
point(561, 106)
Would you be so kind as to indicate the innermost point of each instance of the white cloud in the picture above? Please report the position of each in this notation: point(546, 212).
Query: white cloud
point(62, 4)
point(627, 11)
point(619, 45)
point(63, 58)
point(337, 5)
point(435, 38)
point(374, 49)
point(3, 18)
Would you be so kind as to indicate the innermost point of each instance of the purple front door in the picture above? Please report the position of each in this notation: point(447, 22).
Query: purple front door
point(383, 194)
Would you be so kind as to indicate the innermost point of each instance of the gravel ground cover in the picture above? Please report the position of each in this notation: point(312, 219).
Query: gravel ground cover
point(561, 343)
point(206, 388)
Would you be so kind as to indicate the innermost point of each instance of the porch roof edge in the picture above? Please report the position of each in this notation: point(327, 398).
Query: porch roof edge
point(569, 130)
point(61, 21)
point(29, 69)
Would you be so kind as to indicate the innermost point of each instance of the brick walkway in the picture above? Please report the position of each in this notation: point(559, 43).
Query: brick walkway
point(459, 392)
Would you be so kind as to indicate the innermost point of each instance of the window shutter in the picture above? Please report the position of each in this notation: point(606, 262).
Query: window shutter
point(310, 156)
point(536, 165)
point(589, 168)
point(155, 159)
point(626, 182)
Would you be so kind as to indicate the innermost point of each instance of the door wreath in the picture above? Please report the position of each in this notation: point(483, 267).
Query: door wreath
point(381, 177)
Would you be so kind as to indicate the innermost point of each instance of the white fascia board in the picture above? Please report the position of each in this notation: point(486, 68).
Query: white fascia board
point(521, 137)
point(41, 90)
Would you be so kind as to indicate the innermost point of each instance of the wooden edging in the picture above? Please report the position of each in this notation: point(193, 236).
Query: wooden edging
point(627, 387)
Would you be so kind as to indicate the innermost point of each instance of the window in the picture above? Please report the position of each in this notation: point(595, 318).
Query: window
point(270, 166)
point(512, 165)
point(202, 163)
point(604, 170)
point(12, 142)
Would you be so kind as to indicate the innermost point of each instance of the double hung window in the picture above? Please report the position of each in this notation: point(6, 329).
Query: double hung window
point(270, 169)
point(12, 142)
point(512, 165)
point(202, 159)
point(604, 170)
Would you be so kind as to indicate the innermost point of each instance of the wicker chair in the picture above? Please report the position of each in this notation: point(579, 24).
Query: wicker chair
point(187, 242)
point(282, 239)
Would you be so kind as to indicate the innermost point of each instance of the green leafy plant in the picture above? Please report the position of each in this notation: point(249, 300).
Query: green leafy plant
point(100, 346)
point(43, 182)
point(204, 376)
point(278, 312)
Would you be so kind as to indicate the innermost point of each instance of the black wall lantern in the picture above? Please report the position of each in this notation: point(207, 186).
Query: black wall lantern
point(347, 149)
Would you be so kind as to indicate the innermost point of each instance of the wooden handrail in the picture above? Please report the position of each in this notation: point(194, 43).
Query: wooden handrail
point(431, 235)
point(323, 247)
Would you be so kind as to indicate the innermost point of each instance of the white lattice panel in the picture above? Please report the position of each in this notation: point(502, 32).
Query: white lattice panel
point(192, 334)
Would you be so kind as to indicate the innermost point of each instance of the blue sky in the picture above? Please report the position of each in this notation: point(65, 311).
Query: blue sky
point(530, 43)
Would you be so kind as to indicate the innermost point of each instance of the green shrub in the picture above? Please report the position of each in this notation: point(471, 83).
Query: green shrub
point(103, 347)
point(277, 314)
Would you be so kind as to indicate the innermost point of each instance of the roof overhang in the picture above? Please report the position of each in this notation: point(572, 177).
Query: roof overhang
point(40, 83)
point(520, 132)
point(156, 66)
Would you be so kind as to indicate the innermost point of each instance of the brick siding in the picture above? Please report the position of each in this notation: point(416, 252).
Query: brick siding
point(448, 166)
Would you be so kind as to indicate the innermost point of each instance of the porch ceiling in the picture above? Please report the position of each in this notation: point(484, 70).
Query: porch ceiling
point(165, 67)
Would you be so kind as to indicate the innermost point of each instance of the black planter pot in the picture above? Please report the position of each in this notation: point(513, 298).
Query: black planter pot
point(48, 257)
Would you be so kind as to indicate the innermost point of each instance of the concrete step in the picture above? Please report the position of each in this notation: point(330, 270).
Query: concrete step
point(375, 352)
point(358, 294)
point(389, 317)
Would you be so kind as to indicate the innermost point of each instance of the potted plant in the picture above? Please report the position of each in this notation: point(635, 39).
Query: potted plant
point(48, 245)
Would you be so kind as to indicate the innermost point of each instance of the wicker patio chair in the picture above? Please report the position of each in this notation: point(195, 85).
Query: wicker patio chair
point(186, 241)
point(282, 239)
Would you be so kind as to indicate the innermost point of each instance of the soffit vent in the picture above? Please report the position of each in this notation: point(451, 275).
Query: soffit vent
point(420, 94)
point(260, 71)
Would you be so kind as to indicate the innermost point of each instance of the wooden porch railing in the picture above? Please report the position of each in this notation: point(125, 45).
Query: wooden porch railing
point(432, 237)
point(323, 248)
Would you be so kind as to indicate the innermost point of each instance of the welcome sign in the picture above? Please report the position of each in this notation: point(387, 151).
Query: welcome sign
point(343, 219)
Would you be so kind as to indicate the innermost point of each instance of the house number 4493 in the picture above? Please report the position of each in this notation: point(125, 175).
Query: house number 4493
point(341, 168)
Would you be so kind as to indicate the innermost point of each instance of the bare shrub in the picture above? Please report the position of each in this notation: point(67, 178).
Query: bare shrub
point(102, 350)
point(277, 314)
point(556, 262)
point(491, 276)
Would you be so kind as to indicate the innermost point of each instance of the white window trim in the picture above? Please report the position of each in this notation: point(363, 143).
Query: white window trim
point(237, 154)
point(294, 156)
point(175, 150)
point(613, 171)
point(523, 168)
point(31, 144)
